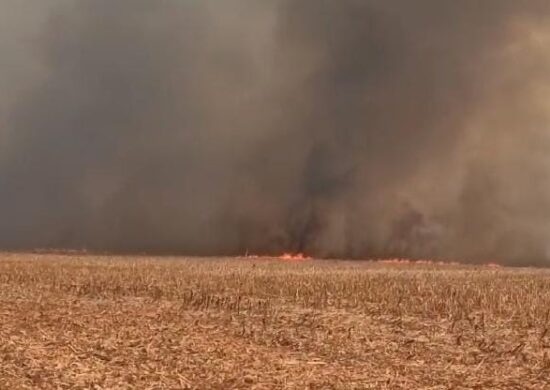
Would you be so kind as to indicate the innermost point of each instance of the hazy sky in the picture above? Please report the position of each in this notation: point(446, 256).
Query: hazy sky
point(343, 128)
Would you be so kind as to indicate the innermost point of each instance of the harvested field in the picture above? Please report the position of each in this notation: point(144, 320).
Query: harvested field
point(90, 322)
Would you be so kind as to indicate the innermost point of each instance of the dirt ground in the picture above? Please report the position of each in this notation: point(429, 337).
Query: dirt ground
point(92, 322)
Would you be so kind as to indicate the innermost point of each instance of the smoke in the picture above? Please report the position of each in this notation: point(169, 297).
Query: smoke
point(349, 128)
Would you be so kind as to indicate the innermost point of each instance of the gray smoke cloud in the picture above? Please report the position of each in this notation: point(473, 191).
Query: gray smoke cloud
point(339, 128)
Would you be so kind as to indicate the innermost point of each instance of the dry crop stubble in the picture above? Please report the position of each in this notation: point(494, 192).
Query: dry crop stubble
point(163, 323)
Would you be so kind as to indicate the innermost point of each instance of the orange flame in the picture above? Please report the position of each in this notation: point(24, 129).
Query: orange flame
point(285, 256)
point(391, 261)
point(294, 256)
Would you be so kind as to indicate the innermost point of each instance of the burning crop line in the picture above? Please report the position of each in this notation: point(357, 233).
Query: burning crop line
point(289, 256)
point(294, 256)
point(285, 256)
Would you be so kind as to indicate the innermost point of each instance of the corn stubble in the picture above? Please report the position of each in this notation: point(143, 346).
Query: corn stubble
point(90, 322)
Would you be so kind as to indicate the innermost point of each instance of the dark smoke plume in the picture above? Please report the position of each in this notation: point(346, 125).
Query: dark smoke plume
point(341, 128)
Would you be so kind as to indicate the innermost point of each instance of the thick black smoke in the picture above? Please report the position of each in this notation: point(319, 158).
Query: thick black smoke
point(342, 128)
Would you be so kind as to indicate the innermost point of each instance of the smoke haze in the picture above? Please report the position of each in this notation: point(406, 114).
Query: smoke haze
point(342, 128)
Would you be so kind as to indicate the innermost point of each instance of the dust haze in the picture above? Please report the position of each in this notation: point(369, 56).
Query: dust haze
point(340, 128)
